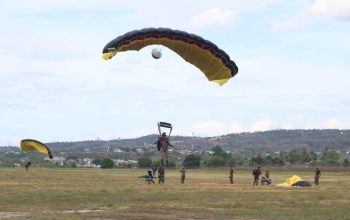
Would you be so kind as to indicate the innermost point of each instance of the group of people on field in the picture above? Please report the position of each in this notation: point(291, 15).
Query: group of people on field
point(162, 145)
point(266, 179)
point(256, 174)
point(161, 175)
point(151, 175)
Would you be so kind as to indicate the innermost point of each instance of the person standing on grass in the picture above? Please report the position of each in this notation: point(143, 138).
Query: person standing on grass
point(161, 174)
point(27, 165)
point(256, 174)
point(183, 175)
point(154, 169)
point(317, 176)
point(231, 175)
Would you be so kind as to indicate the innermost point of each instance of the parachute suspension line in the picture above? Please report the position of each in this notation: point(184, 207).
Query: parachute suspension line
point(186, 50)
point(160, 133)
point(199, 52)
point(173, 43)
point(144, 42)
point(217, 72)
point(158, 38)
point(208, 64)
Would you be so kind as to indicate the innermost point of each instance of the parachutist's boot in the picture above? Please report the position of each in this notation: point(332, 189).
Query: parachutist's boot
point(161, 162)
point(167, 164)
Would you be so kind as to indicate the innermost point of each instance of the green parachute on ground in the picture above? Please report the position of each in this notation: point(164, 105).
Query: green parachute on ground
point(205, 55)
point(34, 145)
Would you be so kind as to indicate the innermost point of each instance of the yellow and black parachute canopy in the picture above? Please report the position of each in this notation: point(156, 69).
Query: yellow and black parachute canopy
point(205, 55)
point(34, 145)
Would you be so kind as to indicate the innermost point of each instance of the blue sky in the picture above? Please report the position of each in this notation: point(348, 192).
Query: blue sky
point(293, 59)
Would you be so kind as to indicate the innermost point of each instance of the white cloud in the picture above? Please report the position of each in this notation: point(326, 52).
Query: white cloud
point(312, 12)
point(285, 74)
point(214, 17)
point(295, 20)
point(339, 9)
point(212, 128)
point(262, 125)
point(286, 126)
point(208, 125)
point(236, 128)
point(301, 20)
point(331, 123)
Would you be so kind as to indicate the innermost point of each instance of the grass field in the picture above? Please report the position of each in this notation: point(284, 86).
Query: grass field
point(206, 194)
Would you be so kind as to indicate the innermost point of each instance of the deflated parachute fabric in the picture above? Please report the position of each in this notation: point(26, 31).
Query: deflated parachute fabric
point(302, 184)
point(290, 181)
point(205, 55)
point(33, 145)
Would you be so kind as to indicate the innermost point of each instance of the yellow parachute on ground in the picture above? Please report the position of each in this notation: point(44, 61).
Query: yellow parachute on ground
point(290, 181)
point(295, 181)
point(34, 145)
point(205, 55)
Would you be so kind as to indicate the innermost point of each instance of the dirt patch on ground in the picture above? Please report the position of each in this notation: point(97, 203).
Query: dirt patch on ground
point(27, 214)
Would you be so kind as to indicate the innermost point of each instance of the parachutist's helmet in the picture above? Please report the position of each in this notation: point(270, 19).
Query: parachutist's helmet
point(163, 134)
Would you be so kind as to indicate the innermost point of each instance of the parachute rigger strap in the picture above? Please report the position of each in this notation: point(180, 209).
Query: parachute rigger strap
point(164, 125)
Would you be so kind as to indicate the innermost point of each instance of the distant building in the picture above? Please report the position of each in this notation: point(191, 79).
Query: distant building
point(121, 162)
point(91, 165)
point(139, 150)
point(17, 165)
point(59, 160)
point(210, 152)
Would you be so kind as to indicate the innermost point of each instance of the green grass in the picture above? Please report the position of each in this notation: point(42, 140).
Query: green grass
point(206, 194)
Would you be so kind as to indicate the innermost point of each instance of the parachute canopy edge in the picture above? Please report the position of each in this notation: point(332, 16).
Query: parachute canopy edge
point(109, 55)
point(34, 145)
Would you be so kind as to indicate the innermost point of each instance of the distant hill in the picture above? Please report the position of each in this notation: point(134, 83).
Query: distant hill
point(315, 140)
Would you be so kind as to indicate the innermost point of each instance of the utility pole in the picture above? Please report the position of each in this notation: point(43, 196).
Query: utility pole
point(192, 145)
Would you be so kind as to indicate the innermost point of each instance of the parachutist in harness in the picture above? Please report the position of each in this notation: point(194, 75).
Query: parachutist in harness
point(27, 165)
point(163, 143)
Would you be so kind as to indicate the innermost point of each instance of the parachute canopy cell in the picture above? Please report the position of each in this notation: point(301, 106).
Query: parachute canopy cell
point(205, 55)
point(34, 145)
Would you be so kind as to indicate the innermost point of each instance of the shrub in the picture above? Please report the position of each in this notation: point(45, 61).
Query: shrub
point(144, 162)
point(192, 161)
point(107, 163)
